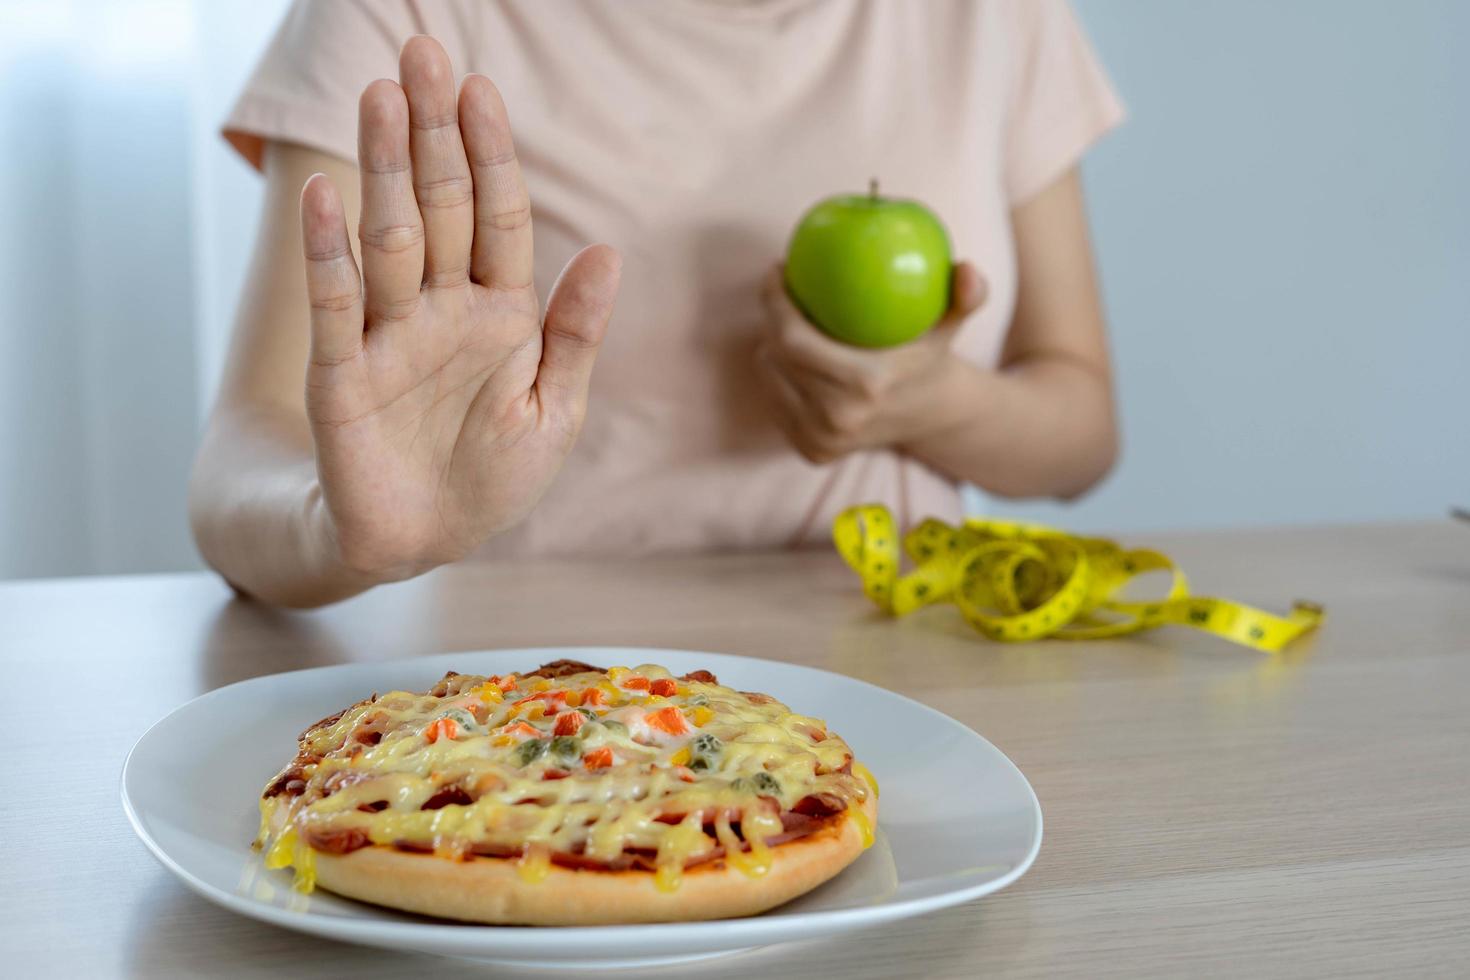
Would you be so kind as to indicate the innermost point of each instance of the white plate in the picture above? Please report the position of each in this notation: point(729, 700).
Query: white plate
point(956, 819)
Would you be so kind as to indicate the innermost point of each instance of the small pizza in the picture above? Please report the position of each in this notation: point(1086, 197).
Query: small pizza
point(570, 795)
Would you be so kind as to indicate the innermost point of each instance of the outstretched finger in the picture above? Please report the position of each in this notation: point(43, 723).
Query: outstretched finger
point(502, 254)
point(576, 321)
point(391, 231)
point(441, 176)
point(333, 285)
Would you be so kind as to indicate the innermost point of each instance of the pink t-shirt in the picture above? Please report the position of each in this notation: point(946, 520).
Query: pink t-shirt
point(691, 134)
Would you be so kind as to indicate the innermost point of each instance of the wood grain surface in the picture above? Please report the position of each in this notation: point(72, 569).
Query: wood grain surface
point(1209, 810)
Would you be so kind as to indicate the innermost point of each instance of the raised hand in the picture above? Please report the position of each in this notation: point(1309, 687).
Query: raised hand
point(440, 403)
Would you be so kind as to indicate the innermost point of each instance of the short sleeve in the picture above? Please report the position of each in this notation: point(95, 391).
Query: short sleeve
point(306, 86)
point(1061, 100)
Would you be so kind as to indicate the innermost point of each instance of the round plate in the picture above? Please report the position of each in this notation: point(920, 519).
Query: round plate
point(956, 819)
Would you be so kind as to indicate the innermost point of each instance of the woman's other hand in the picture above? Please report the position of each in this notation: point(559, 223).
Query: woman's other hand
point(1040, 423)
point(831, 398)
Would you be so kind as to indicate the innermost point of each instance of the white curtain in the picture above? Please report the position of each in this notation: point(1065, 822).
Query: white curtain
point(125, 225)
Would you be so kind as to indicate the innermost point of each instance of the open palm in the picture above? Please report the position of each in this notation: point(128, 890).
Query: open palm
point(440, 402)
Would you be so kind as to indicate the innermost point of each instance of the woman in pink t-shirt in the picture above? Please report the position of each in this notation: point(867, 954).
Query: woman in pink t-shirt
point(443, 401)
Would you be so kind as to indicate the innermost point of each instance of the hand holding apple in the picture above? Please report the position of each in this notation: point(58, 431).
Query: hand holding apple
point(832, 398)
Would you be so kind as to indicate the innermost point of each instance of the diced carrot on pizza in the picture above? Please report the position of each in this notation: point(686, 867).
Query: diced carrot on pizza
point(664, 687)
point(545, 697)
point(669, 720)
point(598, 758)
point(441, 728)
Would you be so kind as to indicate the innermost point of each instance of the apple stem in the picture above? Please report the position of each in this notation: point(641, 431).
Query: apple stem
point(873, 188)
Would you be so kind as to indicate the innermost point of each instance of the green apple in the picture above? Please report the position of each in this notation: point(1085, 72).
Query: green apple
point(870, 270)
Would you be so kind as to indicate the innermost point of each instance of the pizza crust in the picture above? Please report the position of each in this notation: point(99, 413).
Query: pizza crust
point(490, 890)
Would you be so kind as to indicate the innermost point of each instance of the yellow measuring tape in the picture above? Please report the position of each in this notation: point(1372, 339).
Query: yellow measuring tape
point(1016, 581)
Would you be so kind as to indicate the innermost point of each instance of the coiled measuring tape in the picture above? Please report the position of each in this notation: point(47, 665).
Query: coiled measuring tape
point(1016, 581)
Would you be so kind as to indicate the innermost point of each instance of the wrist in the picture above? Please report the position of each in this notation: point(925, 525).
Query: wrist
point(344, 567)
point(949, 400)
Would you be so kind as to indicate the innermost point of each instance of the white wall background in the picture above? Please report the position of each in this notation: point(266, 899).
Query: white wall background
point(1283, 226)
point(1284, 234)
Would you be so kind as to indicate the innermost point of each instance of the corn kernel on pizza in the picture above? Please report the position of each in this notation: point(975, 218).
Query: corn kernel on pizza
point(569, 795)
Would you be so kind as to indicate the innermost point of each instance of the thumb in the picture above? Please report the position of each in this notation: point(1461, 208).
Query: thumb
point(968, 291)
point(576, 320)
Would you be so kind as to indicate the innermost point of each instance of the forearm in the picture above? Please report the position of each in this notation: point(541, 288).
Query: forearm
point(258, 514)
point(1041, 427)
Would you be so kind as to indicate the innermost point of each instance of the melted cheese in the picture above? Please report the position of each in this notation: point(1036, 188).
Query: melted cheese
point(866, 775)
point(864, 826)
point(642, 771)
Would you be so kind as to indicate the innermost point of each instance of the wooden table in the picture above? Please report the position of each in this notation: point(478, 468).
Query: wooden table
point(1208, 809)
